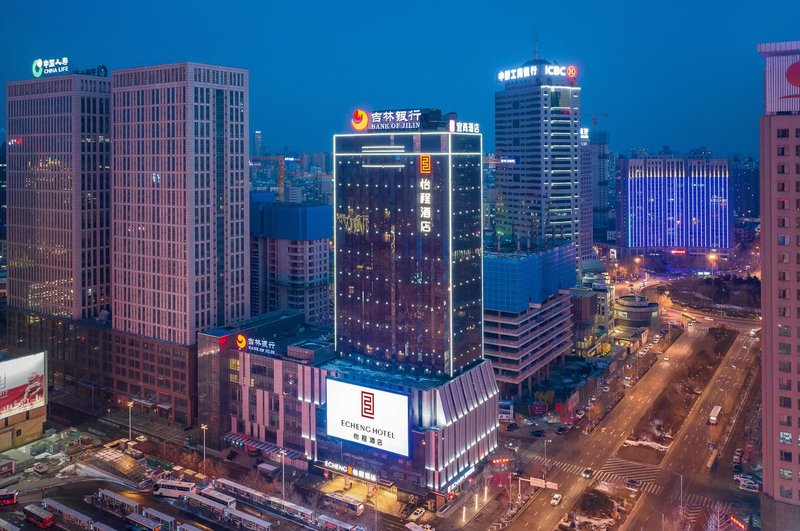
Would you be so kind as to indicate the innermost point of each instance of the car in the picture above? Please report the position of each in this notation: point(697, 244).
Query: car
point(587, 473)
point(737, 468)
point(511, 446)
point(141, 438)
point(627, 377)
point(538, 433)
point(512, 426)
point(743, 477)
point(40, 468)
point(232, 455)
point(749, 487)
point(656, 338)
point(417, 514)
point(666, 358)
point(427, 527)
point(633, 484)
point(593, 399)
point(579, 414)
point(708, 318)
point(561, 429)
point(739, 452)
point(556, 499)
point(606, 388)
point(737, 459)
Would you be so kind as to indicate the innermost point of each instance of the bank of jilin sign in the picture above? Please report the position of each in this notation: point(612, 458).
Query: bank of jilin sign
point(368, 416)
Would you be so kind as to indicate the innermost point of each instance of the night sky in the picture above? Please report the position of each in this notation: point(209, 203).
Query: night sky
point(683, 73)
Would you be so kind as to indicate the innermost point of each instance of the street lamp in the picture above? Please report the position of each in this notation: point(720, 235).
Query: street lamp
point(130, 429)
point(712, 257)
point(283, 474)
point(204, 427)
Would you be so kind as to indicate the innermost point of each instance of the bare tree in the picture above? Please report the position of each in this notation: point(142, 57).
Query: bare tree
point(717, 519)
point(213, 469)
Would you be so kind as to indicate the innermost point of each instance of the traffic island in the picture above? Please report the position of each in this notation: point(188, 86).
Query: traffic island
point(605, 506)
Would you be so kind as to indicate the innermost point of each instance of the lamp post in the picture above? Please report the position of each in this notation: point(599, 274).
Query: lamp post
point(204, 427)
point(130, 428)
point(283, 474)
point(546, 467)
point(712, 258)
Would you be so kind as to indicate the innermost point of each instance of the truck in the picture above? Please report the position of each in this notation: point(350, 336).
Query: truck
point(713, 417)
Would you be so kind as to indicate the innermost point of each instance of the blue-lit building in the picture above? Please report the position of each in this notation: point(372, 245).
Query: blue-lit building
point(527, 313)
point(290, 247)
point(677, 206)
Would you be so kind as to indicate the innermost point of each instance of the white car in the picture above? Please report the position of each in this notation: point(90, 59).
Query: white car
point(417, 514)
point(666, 358)
point(555, 500)
point(749, 486)
point(606, 388)
point(142, 438)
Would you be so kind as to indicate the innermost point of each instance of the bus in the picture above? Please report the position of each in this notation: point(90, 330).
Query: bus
point(188, 527)
point(264, 501)
point(713, 418)
point(224, 499)
point(246, 521)
point(712, 459)
point(100, 526)
point(117, 503)
point(173, 489)
point(6, 526)
point(137, 522)
point(200, 503)
point(38, 516)
point(167, 522)
point(8, 497)
point(345, 502)
point(68, 516)
point(332, 524)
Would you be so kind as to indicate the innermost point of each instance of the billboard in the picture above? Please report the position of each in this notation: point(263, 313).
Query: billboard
point(22, 384)
point(368, 416)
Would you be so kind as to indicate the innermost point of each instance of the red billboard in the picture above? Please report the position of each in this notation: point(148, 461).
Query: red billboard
point(22, 384)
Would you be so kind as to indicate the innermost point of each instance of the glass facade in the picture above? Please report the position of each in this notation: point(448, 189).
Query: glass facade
point(408, 250)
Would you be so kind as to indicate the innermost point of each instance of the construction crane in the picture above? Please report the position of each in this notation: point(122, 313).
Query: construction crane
point(594, 118)
point(281, 171)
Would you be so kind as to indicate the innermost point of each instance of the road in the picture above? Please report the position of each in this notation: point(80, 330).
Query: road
point(596, 450)
point(689, 453)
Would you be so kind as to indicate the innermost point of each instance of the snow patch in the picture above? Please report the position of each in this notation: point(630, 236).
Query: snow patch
point(650, 444)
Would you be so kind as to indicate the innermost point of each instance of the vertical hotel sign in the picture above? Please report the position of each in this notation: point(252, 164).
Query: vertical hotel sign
point(425, 194)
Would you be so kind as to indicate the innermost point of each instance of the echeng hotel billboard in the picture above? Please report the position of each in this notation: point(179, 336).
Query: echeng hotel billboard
point(22, 384)
point(368, 416)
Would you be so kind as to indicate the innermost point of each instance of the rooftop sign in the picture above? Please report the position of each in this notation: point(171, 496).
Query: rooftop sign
point(46, 67)
point(570, 72)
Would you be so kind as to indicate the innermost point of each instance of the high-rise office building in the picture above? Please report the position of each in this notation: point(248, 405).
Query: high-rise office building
point(290, 258)
point(674, 205)
point(744, 187)
point(537, 122)
point(585, 197)
point(59, 195)
point(601, 168)
point(258, 144)
point(780, 278)
point(180, 216)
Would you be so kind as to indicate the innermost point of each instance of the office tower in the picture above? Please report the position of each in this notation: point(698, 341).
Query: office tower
point(180, 215)
point(585, 197)
point(59, 196)
point(537, 120)
point(3, 205)
point(744, 187)
point(258, 144)
point(290, 258)
point(527, 313)
point(780, 279)
point(676, 206)
point(601, 168)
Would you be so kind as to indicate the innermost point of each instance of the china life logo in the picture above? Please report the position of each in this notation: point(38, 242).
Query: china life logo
point(38, 68)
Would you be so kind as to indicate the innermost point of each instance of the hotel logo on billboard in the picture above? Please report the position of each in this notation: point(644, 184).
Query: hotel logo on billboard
point(367, 405)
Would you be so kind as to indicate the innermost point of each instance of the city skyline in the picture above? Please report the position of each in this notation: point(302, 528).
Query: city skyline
point(300, 54)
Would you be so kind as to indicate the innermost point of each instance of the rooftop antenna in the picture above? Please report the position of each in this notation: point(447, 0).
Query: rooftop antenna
point(536, 45)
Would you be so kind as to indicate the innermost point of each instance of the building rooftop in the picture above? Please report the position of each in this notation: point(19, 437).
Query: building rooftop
point(366, 374)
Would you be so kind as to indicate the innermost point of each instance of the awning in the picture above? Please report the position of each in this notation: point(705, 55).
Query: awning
point(164, 406)
point(269, 449)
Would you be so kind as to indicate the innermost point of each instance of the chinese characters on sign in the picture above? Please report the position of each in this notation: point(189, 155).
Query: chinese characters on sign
point(464, 127)
point(367, 439)
point(425, 195)
point(261, 346)
point(522, 72)
point(389, 120)
point(50, 66)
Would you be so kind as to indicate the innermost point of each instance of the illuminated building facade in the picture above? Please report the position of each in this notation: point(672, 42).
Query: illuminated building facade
point(780, 282)
point(537, 122)
point(59, 195)
point(407, 231)
point(676, 205)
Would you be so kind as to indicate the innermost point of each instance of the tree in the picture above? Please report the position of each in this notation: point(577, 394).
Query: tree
point(717, 519)
point(255, 480)
point(213, 469)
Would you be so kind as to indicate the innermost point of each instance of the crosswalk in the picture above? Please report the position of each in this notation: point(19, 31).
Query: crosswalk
point(568, 467)
point(697, 504)
point(616, 470)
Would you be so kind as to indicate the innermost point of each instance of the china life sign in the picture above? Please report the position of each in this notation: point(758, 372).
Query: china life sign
point(425, 194)
point(46, 67)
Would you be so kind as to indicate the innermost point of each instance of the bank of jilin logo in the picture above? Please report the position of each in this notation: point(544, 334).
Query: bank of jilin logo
point(37, 68)
point(367, 405)
point(360, 120)
point(241, 341)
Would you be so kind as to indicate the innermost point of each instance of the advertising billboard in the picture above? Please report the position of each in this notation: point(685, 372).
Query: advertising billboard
point(22, 384)
point(368, 416)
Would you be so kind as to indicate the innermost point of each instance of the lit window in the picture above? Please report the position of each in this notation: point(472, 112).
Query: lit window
point(785, 437)
point(785, 473)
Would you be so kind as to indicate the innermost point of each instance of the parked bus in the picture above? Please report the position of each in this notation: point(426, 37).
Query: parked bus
point(137, 522)
point(167, 522)
point(69, 516)
point(6, 526)
point(200, 503)
point(38, 516)
point(8, 497)
point(712, 459)
point(332, 524)
point(345, 502)
point(246, 521)
point(100, 526)
point(173, 489)
point(713, 418)
point(224, 499)
point(263, 501)
point(117, 503)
